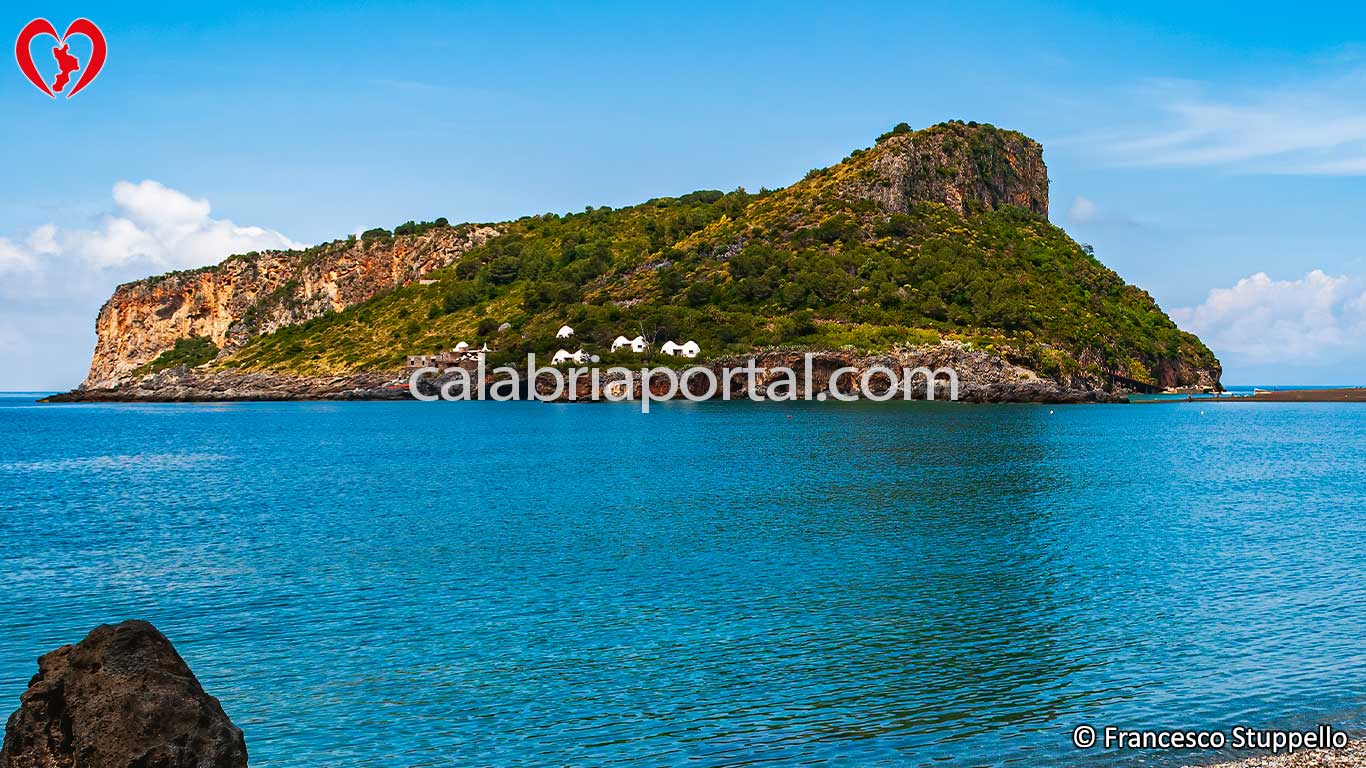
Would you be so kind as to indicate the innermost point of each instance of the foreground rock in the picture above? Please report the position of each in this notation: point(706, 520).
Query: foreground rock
point(1353, 756)
point(120, 698)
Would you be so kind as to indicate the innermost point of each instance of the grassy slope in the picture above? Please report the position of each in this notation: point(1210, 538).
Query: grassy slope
point(806, 266)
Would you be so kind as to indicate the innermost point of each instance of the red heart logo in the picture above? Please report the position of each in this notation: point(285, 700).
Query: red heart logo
point(66, 63)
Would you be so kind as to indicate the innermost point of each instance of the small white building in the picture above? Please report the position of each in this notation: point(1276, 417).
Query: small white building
point(687, 349)
point(636, 345)
point(564, 332)
point(462, 346)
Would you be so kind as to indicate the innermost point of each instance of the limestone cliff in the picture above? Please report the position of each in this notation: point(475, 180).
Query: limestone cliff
point(258, 293)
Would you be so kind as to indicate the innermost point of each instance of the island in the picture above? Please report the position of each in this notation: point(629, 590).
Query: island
point(931, 246)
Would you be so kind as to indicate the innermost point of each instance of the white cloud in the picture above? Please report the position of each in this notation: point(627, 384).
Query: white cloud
point(1310, 126)
point(1316, 319)
point(14, 258)
point(1085, 212)
point(150, 228)
point(158, 227)
point(54, 279)
point(43, 240)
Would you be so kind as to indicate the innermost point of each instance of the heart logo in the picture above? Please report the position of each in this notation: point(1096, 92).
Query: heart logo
point(67, 64)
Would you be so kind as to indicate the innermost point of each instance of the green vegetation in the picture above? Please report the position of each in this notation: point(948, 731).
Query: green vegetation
point(809, 266)
point(191, 352)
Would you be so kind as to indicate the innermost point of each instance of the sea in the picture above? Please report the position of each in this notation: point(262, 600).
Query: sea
point(709, 584)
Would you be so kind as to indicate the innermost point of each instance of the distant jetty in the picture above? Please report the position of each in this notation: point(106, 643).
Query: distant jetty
point(1346, 395)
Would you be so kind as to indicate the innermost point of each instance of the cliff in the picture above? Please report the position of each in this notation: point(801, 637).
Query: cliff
point(937, 236)
point(260, 293)
point(957, 164)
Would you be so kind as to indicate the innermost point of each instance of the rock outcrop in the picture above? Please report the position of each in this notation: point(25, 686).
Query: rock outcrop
point(258, 293)
point(120, 698)
point(959, 165)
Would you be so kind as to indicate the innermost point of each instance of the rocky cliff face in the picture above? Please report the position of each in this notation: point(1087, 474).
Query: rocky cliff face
point(254, 294)
point(120, 698)
point(957, 164)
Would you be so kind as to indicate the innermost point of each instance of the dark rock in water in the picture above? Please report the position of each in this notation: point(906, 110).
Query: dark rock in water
point(120, 698)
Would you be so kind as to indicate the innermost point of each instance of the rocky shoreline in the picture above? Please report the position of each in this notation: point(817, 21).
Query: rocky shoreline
point(183, 385)
point(1353, 756)
point(983, 378)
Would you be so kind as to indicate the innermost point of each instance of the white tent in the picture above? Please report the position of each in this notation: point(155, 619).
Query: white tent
point(565, 356)
point(564, 332)
point(690, 349)
point(637, 345)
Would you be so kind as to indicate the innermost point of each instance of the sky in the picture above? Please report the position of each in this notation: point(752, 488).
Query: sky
point(1212, 154)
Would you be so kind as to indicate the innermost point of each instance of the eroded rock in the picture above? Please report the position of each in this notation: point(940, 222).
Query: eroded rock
point(120, 698)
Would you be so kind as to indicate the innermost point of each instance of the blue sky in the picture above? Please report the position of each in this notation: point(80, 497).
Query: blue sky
point(1214, 155)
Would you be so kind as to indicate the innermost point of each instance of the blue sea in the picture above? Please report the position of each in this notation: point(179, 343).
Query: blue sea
point(528, 584)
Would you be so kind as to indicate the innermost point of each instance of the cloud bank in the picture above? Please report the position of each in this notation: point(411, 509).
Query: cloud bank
point(1316, 319)
point(54, 278)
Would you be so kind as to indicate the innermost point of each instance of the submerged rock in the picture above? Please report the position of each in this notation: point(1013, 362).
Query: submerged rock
point(120, 698)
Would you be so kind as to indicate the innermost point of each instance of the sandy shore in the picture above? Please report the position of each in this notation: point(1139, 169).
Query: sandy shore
point(1354, 755)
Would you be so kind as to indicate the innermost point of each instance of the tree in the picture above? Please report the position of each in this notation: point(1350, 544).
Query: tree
point(504, 269)
point(700, 293)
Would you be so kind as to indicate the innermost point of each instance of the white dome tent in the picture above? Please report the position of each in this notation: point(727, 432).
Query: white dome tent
point(565, 356)
point(636, 345)
point(686, 349)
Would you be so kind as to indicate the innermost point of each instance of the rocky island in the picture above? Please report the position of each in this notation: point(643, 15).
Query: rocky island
point(930, 245)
